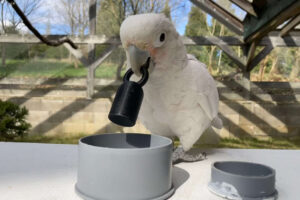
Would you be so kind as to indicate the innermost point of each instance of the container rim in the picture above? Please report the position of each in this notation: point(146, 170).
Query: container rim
point(168, 142)
point(166, 195)
point(272, 174)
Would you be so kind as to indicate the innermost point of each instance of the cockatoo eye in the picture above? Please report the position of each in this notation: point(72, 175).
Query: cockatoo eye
point(161, 38)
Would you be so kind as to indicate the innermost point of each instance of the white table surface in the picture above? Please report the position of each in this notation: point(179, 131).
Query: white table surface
point(31, 171)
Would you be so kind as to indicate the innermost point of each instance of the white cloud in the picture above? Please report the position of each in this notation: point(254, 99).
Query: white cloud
point(21, 27)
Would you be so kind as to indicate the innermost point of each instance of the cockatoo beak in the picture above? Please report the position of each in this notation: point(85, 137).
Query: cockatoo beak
point(136, 58)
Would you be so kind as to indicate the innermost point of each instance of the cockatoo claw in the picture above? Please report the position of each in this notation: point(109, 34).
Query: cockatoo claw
point(179, 155)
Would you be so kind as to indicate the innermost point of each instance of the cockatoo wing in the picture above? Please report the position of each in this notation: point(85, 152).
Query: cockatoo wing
point(191, 101)
point(206, 89)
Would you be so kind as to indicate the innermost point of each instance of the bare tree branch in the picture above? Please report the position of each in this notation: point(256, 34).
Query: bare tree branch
point(35, 32)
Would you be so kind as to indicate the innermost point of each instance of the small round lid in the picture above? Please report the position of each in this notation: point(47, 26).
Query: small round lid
point(242, 180)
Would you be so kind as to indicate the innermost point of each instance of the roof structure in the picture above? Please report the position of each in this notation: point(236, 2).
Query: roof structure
point(262, 18)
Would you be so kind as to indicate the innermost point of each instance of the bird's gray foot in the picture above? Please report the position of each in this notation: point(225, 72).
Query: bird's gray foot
point(179, 155)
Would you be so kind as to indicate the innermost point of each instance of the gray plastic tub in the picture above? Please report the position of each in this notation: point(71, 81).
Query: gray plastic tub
point(243, 180)
point(125, 167)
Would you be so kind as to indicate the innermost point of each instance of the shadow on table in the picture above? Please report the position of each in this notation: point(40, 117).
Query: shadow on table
point(180, 176)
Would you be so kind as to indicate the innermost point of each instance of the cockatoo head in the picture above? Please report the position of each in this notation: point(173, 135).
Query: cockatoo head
point(147, 35)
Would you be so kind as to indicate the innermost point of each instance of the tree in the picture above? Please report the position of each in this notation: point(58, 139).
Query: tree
point(200, 25)
point(74, 14)
point(10, 21)
point(295, 72)
point(197, 26)
point(281, 64)
point(112, 13)
point(12, 120)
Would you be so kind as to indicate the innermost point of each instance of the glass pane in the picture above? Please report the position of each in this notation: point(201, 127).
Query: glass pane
point(282, 64)
point(217, 62)
point(114, 66)
point(232, 8)
point(39, 61)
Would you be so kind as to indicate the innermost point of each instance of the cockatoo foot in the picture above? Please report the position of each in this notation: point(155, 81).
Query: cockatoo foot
point(179, 155)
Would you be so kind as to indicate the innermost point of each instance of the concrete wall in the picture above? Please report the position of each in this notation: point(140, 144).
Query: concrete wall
point(59, 106)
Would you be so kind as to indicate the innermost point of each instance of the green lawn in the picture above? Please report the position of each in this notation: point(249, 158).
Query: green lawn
point(47, 139)
point(282, 143)
point(52, 69)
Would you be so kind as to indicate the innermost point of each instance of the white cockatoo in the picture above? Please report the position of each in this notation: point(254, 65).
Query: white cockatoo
point(180, 97)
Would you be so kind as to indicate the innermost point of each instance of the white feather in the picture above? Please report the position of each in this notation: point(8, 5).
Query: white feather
point(180, 97)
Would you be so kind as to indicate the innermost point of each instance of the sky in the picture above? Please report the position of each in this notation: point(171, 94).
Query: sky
point(179, 16)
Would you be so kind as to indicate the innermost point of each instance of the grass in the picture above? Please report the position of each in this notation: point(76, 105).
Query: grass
point(278, 143)
point(46, 139)
point(52, 69)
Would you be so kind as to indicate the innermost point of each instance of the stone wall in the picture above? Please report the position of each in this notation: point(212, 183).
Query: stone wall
point(267, 110)
point(59, 106)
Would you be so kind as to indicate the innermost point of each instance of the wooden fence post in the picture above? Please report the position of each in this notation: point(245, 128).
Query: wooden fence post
point(91, 48)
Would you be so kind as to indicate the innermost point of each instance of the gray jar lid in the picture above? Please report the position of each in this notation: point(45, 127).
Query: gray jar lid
point(242, 180)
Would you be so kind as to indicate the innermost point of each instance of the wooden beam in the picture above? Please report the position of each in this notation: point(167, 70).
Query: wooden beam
point(259, 57)
point(272, 15)
point(288, 41)
point(92, 28)
point(290, 25)
point(92, 69)
point(91, 66)
point(223, 16)
point(92, 16)
point(90, 83)
point(251, 52)
point(78, 54)
point(295, 32)
point(291, 40)
point(103, 56)
point(259, 4)
point(246, 6)
point(31, 39)
point(91, 49)
point(213, 40)
point(229, 52)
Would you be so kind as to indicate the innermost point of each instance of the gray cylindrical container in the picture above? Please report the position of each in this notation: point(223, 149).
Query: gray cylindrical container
point(125, 167)
point(243, 180)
